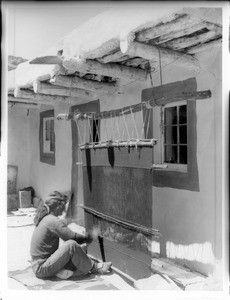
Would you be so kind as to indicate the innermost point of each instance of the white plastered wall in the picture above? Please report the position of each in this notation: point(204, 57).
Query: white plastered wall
point(190, 222)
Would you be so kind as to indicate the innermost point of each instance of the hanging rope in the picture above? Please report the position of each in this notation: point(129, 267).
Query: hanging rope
point(126, 127)
point(134, 123)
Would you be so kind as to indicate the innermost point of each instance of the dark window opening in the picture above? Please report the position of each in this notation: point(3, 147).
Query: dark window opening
point(175, 134)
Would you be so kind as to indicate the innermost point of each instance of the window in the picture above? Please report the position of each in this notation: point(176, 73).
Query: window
point(178, 137)
point(175, 147)
point(95, 131)
point(47, 137)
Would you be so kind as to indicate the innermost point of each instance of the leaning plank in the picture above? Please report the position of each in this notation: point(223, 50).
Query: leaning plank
point(91, 85)
point(111, 70)
point(184, 21)
point(181, 275)
point(151, 52)
point(186, 42)
point(204, 47)
point(49, 89)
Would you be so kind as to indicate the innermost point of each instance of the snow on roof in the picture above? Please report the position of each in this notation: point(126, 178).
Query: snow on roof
point(87, 39)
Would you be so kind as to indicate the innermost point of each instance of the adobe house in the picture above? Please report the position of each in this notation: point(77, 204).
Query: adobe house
point(126, 112)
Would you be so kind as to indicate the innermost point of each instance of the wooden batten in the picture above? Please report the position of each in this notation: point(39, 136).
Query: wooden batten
point(212, 15)
point(184, 21)
point(204, 47)
point(24, 101)
point(50, 89)
point(115, 57)
point(151, 52)
point(90, 85)
point(186, 42)
point(23, 105)
point(217, 29)
point(111, 70)
point(177, 34)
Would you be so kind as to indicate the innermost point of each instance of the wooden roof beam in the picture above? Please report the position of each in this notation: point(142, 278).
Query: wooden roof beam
point(184, 21)
point(90, 85)
point(39, 98)
point(204, 47)
point(73, 65)
point(186, 42)
point(151, 52)
point(50, 89)
point(179, 33)
point(111, 70)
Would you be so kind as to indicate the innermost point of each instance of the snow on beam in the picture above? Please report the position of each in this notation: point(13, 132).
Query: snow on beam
point(50, 89)
point(90, 85)
point(151, 52)
point(111, 70)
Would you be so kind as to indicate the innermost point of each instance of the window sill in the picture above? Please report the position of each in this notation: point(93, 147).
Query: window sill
point(171, 167)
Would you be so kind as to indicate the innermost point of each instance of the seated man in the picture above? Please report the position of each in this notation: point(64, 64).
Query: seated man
point(48, 259)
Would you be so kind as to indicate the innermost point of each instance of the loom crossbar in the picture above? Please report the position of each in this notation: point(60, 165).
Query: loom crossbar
point(119, 144)
point(124, 223)
point(136, 107)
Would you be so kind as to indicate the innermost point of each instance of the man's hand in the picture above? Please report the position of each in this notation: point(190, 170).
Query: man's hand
point(92, 235)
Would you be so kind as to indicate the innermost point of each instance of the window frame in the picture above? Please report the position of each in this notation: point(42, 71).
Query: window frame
point(174, 166)
point(46, 157)
point(162, 177)
point(179, 179)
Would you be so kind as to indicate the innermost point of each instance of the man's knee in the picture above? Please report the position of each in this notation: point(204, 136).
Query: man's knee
point(72, 245)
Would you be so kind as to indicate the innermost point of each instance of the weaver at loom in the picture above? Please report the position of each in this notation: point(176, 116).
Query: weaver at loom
point(48, 259)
